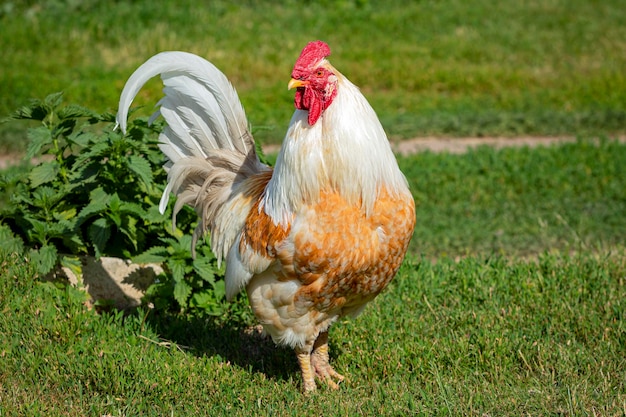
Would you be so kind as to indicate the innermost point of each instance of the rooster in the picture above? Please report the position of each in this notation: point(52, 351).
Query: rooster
point(315, 238)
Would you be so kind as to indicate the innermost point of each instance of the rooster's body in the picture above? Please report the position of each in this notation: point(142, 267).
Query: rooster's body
point(312, 240)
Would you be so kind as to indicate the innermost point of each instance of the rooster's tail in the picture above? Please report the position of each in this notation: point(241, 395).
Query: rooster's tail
point(207, 142)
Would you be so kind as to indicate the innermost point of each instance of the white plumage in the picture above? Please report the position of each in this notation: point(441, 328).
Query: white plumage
point(201, 108)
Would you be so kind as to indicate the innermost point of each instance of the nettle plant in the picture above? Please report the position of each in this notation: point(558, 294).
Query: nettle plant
point(94, 191)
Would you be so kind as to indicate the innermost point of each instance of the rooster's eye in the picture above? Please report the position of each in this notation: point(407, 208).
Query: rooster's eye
point(319, 73)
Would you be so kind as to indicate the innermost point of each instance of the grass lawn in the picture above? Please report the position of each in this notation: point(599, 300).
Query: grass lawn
point(528, 320)
point(512, 298)
point(484, 336)
point(452, 67)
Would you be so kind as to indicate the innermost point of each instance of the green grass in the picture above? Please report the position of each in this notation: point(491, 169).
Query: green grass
point(512, 299)
point(570, 197)
point(529, 320)
point(448, 67)
point(479, 337)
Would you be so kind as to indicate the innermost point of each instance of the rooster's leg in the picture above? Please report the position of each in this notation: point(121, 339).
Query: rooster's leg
point(308, 375)
point(319, 362)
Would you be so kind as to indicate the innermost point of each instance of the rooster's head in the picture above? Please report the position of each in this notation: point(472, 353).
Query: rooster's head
point(314, 79)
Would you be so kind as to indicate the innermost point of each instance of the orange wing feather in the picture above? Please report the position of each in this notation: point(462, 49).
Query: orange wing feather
point(260, 233)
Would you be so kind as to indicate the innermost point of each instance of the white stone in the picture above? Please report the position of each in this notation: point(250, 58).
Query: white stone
point(113, 279)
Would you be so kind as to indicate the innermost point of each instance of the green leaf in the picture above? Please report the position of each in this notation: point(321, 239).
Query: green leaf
point(74, 243)
point(219, 289)
point(74, 111)
point(82, 139)
point(45, 258)
point(107, 117)
point(67, 215)
point(99, 195)
point(132, 208)
point(93, 208)
point(153, 215)
point(46, 197)
point(206, 253)
point(99, 233)
point(38, 230)
point(57, 229)
point(97, 150)
point(205, 269)
point(141, 167)
point(84, 173)
point(52, 101)
point(22, 197)
point(202, 299)
point(116, 218)
point(171, 242)
point(115, 203)
point(177, 266)
point(9, 243)
point(43, 173)
point(65, 127)
point(209, 301)
point(156, 254)
point(38, 137)
point(182, 291)
point(36, 110)
point(129, 229)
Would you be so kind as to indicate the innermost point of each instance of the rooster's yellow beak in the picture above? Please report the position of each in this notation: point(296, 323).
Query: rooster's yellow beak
point(293, 83)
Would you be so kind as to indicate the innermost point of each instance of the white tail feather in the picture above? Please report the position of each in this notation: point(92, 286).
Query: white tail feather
point(211, 154)
point(201, 108)
point(212, 98)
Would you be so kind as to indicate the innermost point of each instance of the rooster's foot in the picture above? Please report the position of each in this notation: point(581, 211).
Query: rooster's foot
point(313, 363)
point(321, 365)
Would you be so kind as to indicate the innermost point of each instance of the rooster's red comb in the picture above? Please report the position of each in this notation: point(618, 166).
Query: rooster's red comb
point(312, 53)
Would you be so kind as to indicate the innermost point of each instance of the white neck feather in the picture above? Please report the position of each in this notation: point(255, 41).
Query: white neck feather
point(346, 151)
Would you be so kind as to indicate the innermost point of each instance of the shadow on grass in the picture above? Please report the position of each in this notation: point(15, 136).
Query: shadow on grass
point(234, 341)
